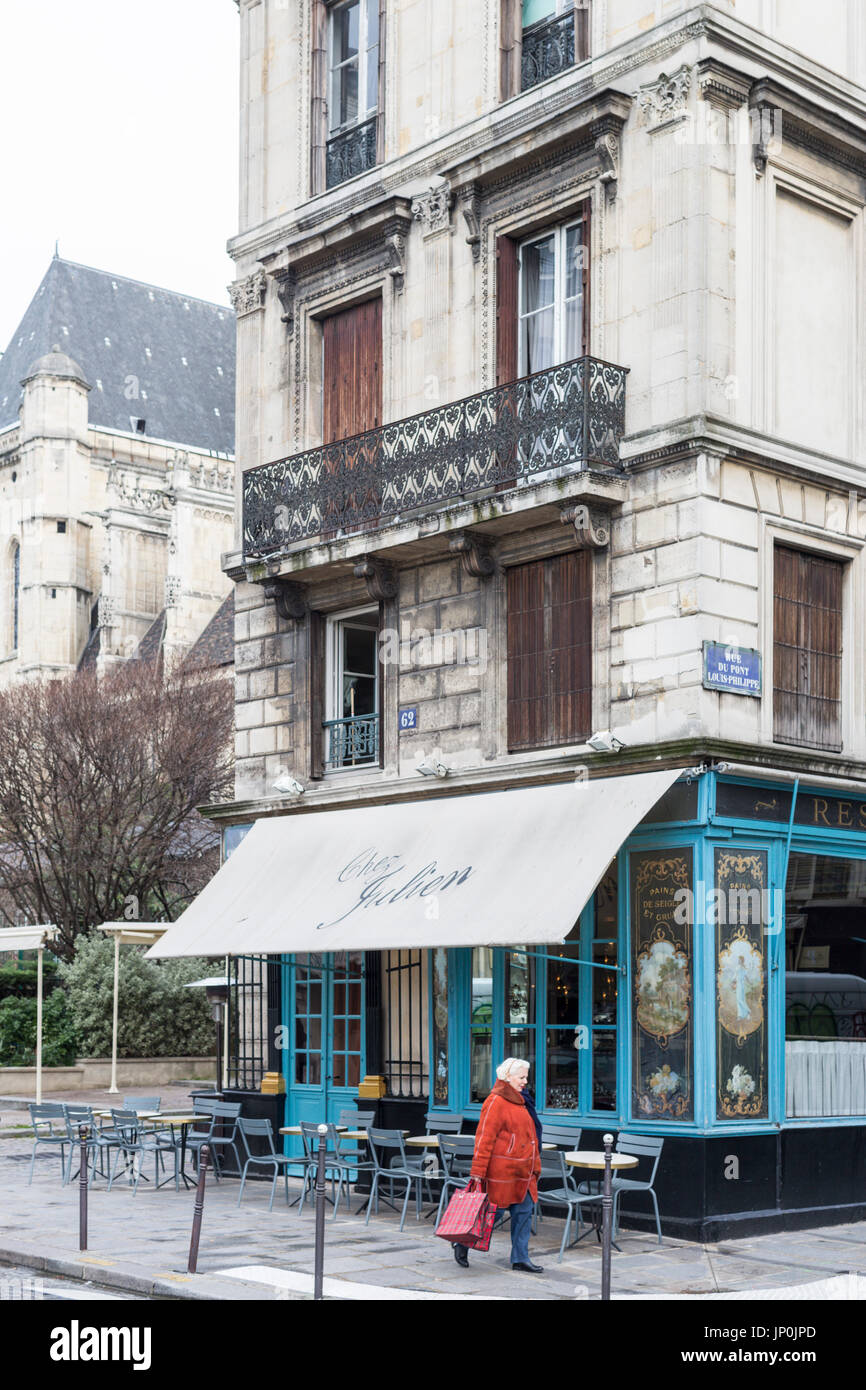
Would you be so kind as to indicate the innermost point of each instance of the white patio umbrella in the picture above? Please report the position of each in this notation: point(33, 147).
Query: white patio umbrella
point(126, 934)
point(31, 939)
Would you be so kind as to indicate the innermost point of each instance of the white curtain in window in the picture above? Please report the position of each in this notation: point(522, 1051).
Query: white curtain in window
point(825, 1078)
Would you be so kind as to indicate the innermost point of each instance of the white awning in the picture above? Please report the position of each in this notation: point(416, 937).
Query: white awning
point(474, 870)
point(26, 938)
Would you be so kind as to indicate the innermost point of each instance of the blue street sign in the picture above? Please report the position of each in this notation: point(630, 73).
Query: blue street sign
point(735, 670)
point(409, 718)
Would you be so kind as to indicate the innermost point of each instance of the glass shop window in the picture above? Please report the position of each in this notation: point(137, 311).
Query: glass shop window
point(481, 1024)
point(825, 986)
point(519, 1041)
point(582, 1011)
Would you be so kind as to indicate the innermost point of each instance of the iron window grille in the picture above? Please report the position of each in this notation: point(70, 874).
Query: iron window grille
point(406, 1061)
point(554, 43)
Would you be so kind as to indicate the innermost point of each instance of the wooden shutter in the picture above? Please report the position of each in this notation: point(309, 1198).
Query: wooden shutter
point(549, 651)
point(807, 649)
point(581, 30)
point(587, 246)
point(506, 310)
point(316, 651)
point(318, 95)
point(380, 90)
point(510, 32)
point(352, 371)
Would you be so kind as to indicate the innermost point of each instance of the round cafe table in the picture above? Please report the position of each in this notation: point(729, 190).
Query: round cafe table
point(594, 1158)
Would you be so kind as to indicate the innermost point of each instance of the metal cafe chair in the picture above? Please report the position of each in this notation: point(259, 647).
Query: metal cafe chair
point(261, 1129)
point(338, 1165)
point(50, 1129)
point(76, 1116)
point(197, 1138)
point(385, 1142)
point(355, 1119)
point(564, 1193)
point(222, 1110)
point(134, 1142)
point(142, 1103)
point(639, 1146)
point(443, 1122)
point(564, 1137)
point(455, 1155)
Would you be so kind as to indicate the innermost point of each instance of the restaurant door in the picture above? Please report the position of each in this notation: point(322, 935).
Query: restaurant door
point(324, 1059)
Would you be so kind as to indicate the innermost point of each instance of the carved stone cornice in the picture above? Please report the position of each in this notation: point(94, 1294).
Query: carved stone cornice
point(666, 98)
point(591, 525)
point(476, 553)
point(379, 577)
point(779, 114)
point(722, 86)
point(432, 209)
point(289, 597)
point(248, 294)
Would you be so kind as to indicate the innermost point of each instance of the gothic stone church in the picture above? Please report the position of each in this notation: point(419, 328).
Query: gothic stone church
point(116, 476)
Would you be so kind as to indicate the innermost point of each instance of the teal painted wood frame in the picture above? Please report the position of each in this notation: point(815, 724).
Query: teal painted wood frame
point(703, 835)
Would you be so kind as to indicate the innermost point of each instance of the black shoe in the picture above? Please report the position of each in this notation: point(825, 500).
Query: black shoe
point(461, 1255)
point(529, 1268)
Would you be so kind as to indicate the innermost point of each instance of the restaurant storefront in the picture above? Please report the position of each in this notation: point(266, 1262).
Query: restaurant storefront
point(708, 985)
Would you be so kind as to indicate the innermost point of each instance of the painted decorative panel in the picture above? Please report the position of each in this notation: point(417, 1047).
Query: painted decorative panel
point(662, 984)
point(741, 983)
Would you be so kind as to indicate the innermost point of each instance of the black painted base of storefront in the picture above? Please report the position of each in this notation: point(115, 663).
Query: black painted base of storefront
point(727, 1187)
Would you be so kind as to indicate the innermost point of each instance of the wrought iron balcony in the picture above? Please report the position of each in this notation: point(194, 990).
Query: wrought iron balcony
point(350, 152)
point(352, 742)
point(571, 416)
point(547, 49)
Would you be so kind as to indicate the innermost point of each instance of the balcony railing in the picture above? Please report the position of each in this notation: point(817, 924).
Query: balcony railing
point(547, 49)
point(571, 416)
point(351, 742)
point(351, 152)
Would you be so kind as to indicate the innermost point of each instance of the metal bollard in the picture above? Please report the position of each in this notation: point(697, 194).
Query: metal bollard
point(83, 1132)
point(320, 1213)
point(198, 1209)
point(606, 1219)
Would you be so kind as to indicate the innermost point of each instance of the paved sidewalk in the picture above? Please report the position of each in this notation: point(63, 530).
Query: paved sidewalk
point(140, 1243)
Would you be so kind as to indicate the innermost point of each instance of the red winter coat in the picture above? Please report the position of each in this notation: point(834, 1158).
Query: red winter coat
point(506, 1147)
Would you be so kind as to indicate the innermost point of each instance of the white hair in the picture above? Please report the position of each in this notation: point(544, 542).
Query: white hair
point(511, 1064)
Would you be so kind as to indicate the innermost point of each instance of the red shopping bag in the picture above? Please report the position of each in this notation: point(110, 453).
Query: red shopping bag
point(468, 1218)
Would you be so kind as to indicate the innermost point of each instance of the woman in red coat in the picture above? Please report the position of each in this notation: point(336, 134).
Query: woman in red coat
point(507, 1159)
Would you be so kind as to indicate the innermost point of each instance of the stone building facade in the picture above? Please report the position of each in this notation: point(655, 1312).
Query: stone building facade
point(550, 353)
point(116, 473)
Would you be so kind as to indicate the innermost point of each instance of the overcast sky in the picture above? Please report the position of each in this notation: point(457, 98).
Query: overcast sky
point(120, 121)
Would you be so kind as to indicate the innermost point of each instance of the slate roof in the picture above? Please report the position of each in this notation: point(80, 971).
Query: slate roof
point(150, 646)
point(147, 354)
point(216, 645)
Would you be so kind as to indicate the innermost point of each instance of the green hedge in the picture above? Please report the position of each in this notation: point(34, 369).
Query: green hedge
point(18, 1032)
point(20, 980)
point(158, 1017)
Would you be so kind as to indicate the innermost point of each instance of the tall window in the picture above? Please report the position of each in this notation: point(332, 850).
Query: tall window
point(553, 299)
point(554, 36)
point(549, 651)
point(15, 588)
point(807, 649)
point(353, 89)
point(351, 722)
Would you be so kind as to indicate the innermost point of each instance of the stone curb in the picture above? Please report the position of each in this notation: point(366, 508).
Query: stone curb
point(130, 1279)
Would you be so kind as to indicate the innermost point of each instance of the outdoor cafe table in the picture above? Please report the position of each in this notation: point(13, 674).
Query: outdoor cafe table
point(156, 1117)
point(594, 1158)
point(431, 1141)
